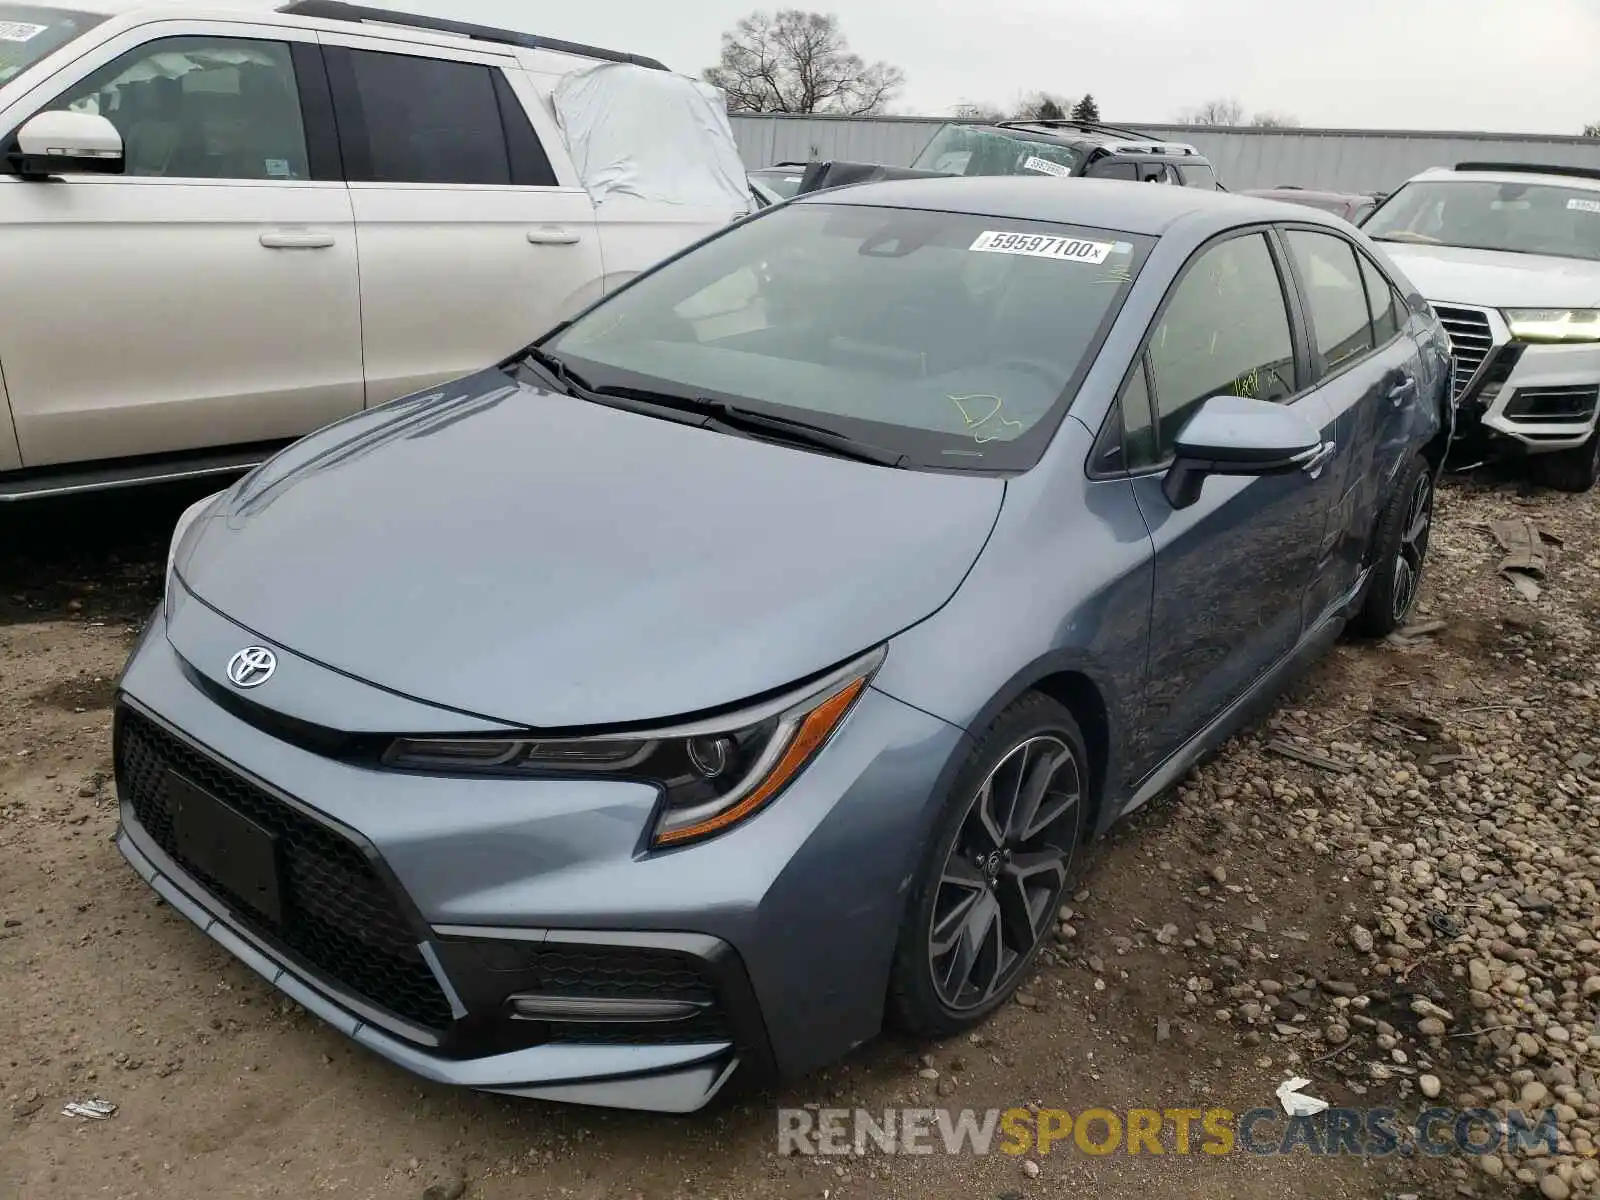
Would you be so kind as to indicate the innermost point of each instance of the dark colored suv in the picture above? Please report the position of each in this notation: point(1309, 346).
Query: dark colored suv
point(1060, 148)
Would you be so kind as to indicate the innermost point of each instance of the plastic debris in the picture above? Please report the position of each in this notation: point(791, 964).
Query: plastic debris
point(1297, 1104)
point(90, 1110)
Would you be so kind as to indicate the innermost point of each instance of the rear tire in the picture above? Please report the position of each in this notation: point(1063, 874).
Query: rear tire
point(988, 888)
point(1399, 552)
point(1574, 470)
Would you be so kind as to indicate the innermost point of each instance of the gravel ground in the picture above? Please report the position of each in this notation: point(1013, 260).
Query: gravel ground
point(1388, 888)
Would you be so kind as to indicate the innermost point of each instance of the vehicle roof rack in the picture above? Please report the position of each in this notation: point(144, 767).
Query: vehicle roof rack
point(1150, 146)
point(337, 10)
point(1068, 123)
point(1531, 169)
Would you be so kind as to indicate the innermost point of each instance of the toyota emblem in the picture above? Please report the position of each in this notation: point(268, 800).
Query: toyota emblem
point(252, 667)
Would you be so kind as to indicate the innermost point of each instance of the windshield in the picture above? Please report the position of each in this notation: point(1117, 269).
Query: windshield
point(28, 34)
point(972, 150)
point(784, 183)
point(1524, 218)
point(951, 339)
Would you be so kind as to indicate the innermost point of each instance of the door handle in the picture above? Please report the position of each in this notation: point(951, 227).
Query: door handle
point(553, 235)
point(1314, 460)
point(297, 241)
point(1402, 391)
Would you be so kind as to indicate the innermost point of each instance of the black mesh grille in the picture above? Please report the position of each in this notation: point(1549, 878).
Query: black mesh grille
point(338, 915)
point(628, 972)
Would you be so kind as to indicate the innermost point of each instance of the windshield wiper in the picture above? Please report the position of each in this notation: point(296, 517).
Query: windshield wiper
point(571, 384)
point(557, 369)
point(748, 420)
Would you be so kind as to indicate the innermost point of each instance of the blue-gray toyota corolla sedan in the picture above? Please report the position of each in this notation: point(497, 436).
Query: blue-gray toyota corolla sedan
point(743, 666)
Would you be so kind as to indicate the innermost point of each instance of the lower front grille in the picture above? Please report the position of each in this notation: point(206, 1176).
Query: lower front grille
point(338, 916)
point(1470, 342)
point(1554, 405)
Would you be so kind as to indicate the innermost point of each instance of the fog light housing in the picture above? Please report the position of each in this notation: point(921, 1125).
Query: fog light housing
point(601, 1010)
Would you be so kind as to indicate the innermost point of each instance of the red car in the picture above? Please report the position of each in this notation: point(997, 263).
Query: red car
point(1353, 207)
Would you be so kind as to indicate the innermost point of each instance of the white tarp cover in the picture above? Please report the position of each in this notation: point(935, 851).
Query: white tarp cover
point(633, 131)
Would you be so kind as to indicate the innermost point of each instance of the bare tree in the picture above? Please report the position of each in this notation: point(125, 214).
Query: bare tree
point(1086, 110)
point(799, 62)
point(1591, 131)
point(1272, 120)
point(1214, 112)
point(969, 110)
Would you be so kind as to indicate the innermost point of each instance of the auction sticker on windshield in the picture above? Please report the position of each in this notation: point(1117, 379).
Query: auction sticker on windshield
point(1045, 167)
point(994, 241)
point(1583, 206)
point(20, 31)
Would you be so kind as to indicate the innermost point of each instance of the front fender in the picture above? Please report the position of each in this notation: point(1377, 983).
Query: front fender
point(1063, 586)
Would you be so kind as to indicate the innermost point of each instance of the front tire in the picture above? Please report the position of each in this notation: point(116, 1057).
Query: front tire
point(1399, 552)
point(1001, 857)
point(1574, 470)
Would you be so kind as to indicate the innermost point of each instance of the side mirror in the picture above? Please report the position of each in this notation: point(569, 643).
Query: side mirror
point(67, 143)
point(1232, 435)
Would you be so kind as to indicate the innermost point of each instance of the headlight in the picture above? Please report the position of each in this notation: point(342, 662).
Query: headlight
point(712, 774)
point(189, 516)
point(1554, 324)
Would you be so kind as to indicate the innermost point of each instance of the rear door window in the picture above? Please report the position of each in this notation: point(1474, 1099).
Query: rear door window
point(1335, 296)
point(1383, 300)
point(1108, 169)
point(427, 120)
point(1198, 175)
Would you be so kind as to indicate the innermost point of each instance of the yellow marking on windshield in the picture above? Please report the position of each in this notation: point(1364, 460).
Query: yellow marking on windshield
point(976, 423)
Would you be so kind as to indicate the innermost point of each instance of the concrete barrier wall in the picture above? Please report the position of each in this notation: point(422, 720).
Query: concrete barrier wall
point(1345, 160)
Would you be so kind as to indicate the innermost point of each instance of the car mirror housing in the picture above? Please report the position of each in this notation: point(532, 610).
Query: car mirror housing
point(67, 143)
point(1235, 435)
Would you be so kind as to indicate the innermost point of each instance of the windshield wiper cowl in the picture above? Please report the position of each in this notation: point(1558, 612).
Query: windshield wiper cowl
point(750, 421)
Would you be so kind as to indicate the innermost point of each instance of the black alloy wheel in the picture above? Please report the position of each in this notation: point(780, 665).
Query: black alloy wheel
point(1000, 857)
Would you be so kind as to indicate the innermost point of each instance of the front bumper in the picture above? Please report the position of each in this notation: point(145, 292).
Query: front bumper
point(1538, 398)
point(666, 1078)
point(422, 904)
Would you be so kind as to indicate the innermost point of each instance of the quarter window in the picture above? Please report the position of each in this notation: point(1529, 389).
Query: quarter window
point(1139, 447)
point(1335, 296)
point(432, 121)
point(201, 108)
point(1225, 333)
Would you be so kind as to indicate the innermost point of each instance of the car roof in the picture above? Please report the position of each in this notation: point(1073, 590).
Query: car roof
point(1530, 174)
point(1137, 208)
point(1113, 138)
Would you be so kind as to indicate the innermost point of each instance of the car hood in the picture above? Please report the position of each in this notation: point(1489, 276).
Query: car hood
point(1496, 278)
point(546, 562)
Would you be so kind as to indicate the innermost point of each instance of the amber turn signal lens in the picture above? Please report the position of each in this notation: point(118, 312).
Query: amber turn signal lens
point(812, 732)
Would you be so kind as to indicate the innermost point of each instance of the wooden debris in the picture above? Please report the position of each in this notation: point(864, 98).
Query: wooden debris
point(1290, 750)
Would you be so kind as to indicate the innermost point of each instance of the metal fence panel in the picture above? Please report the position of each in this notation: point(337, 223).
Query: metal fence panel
point(1344, 160)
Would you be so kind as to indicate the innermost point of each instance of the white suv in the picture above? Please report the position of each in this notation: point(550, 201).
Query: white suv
point(225, 228)
point(1509, 256)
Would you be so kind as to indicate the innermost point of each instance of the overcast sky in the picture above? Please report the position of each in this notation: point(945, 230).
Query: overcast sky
point(1507, 65)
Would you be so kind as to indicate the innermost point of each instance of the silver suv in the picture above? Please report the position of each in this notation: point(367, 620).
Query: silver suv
point(1508, 254)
